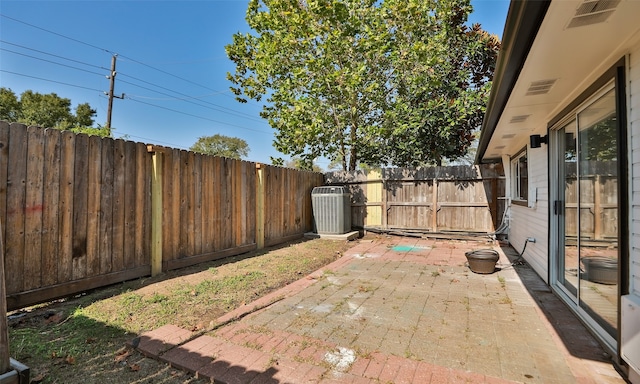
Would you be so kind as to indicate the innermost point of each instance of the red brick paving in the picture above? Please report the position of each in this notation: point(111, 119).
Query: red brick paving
point(238, 353)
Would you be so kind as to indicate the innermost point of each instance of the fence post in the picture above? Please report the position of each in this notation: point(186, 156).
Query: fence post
point(5, 364)
point(259, 206)
point(493, 204)
point(434, 205)
point(156, 210)
point(384, 208)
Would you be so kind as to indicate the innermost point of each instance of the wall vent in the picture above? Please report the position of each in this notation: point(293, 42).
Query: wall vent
point(593, 12)
point(540, 87)
point(519, 119)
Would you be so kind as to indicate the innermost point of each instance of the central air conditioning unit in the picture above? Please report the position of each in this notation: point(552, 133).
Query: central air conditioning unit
point(331, 210)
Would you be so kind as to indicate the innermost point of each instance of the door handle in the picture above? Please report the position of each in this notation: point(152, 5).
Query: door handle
point(557, 207)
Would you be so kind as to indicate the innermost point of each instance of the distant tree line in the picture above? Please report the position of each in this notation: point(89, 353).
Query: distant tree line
point(48, 111)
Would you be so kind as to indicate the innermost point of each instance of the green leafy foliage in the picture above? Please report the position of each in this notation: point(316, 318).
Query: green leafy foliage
point(399, 82)
point(48, 111)
point(220, 145)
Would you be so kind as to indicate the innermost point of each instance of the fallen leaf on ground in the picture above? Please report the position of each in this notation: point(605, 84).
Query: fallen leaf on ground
point(70, 360)
point(122, 356)
point(134, 367)
point(54, 318)
point(39, 377)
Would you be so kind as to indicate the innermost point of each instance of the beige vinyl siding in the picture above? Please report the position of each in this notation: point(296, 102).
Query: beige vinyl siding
point(533, 222)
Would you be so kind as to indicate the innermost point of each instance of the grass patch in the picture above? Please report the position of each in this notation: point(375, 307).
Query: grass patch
point(81, 339)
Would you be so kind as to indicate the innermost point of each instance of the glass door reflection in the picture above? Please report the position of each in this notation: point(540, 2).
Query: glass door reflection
point(568, 263)
point(598, 211)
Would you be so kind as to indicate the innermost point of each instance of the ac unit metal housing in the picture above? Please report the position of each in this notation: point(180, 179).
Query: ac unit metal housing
point(331, 210)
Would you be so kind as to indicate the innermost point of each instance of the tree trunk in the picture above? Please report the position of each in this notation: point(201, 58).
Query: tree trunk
point(353, 158)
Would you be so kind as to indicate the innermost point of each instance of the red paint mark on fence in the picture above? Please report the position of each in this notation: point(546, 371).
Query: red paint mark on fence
point(27, 210)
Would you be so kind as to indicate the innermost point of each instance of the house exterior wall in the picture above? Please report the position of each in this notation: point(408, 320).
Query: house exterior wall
point(630, 342)
point(633, 105)
point(532, 222)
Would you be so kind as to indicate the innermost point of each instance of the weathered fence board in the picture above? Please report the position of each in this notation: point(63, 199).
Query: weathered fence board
point(462, 198)
point(33, 210)
point(105, 232)
point(51, 205)
point(94, 175)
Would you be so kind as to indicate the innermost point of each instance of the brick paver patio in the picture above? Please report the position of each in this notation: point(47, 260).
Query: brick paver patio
point(396, 310)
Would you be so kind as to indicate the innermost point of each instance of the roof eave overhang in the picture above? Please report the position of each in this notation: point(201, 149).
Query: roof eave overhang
point(521, 27)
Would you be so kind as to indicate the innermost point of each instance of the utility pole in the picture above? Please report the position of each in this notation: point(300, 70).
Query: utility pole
point(112, 84)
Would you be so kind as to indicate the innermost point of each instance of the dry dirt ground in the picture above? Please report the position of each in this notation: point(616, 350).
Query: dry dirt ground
point(81, 339)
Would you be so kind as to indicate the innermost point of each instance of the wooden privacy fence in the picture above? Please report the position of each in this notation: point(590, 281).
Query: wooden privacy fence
point(595, 195)
point(456, 198)
point(80, 212)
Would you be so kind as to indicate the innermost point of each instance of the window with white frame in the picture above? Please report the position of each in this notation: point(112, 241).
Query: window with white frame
point(519, 176)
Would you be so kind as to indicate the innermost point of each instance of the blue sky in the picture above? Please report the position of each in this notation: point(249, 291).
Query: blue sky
point(171, 64)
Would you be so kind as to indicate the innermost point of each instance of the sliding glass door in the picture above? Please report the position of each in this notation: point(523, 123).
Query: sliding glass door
point(586, 209)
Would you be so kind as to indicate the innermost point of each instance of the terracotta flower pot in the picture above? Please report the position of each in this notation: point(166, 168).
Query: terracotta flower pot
point(482, 260)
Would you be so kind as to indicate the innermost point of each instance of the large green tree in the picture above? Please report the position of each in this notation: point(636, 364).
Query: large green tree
point(220, 145)
point(365, 81)
point(49, 111)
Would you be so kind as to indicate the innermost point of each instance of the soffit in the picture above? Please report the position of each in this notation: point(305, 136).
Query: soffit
point(563, 61)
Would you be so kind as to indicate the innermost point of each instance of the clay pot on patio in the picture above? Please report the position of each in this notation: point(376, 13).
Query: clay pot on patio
point(603, 270)
point(482, 260)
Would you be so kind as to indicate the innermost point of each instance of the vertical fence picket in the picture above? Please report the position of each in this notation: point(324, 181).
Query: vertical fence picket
point(184, 205)
point(106, 206)
point(205, 214)
point(142, 209)
point(67, 160)
point(93, 205)
point(16, 179)
point(80, 201)
point(130, 205)
point(4, 162)
point(32, 272)
point(51, 207)
point(119, 191)
point(196, 187)
point(217, 211)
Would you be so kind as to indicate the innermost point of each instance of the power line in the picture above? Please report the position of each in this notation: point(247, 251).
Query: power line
point(169, 74)
point(153, 140)
point(187, 100)
point(135, 61)
point(196, 116)
point(52, 62)
point(217, 106)
point(54, 55)
point(108, 51)
point(125, 57)
point(57, 34)
point(51, 81)
point(169, 98)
